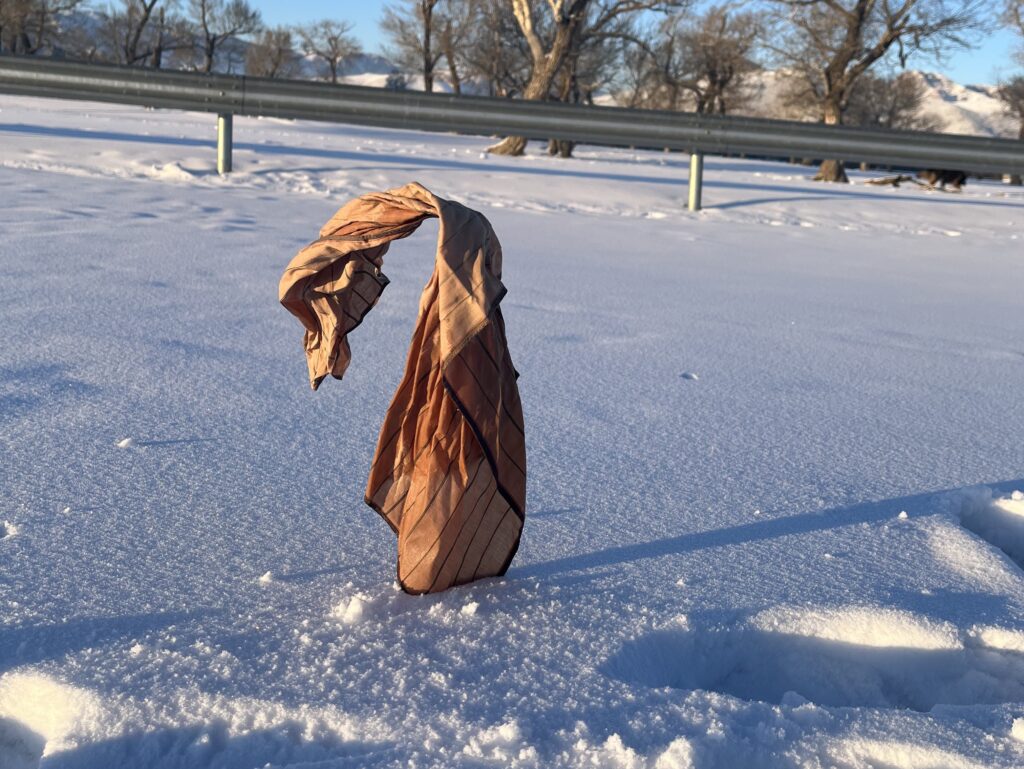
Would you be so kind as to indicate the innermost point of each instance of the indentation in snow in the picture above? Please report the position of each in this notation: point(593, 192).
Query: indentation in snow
point(855, 656)
point(20, 747)
point(997, 520)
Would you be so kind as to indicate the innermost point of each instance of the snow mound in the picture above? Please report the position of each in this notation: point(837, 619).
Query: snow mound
point(999, 638)
point(504, 744)
point(678, 755)
point(171, 172)
point(45, 707)
point(864, 626)
point(859, 753)
point(351, 610)
point(613, 753)
point(41, 717)
point(7, 530)
point(972, 558)
point(997, 520)
point(851, 657)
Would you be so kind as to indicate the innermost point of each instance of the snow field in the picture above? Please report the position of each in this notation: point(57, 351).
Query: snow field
point(774, 450)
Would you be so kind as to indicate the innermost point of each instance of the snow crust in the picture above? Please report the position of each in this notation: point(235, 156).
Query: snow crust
point(807, 556)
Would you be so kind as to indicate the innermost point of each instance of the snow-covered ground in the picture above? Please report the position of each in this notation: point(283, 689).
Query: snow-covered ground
point(773, 450)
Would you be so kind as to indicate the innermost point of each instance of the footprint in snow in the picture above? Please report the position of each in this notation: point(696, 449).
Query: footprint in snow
point(689, 375)
point(839, 656)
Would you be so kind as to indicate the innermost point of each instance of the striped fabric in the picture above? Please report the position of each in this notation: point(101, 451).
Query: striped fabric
point(449, 474)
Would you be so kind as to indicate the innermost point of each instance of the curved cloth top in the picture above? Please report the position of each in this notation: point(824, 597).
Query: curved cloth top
point(449, 474)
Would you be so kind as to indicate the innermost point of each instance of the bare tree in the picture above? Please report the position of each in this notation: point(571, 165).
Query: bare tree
point(495, 51)
point(137, 31)
point(830, 44)
point(171, 34)
point(1011, 93)
point(30, 26)
point(1013, 17)
point(889, 102)
point(272, 54)
point(413, 28)
point(552, 38)
point(456, 20)
point(217, 22)
point(702, 63)
point(331, 42)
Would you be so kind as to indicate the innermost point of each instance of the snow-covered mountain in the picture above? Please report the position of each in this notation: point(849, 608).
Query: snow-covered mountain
point(965, 109)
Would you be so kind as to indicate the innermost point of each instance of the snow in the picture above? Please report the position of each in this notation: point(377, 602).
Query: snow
point(808, 556)
point(997, 520)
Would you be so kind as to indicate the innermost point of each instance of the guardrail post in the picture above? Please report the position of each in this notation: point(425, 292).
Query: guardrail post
point(696, 179)
point(224, 143)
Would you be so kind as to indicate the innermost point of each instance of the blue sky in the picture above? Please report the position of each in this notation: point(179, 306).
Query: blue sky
point(984, 64)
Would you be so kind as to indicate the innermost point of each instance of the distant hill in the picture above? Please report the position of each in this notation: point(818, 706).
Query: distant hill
point(965, 109)
point(958, 109)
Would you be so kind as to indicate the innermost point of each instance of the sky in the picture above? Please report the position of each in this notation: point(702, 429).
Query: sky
point(985, 64)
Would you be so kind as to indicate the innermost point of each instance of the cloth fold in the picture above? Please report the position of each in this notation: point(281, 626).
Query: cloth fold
point(449, 473)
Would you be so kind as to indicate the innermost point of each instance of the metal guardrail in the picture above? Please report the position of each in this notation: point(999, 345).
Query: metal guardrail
point(229, 95)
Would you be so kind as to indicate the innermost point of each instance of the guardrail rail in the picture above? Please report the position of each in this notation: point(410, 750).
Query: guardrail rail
point(228, 95)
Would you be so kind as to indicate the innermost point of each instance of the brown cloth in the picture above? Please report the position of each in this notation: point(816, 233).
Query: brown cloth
point(449, 474)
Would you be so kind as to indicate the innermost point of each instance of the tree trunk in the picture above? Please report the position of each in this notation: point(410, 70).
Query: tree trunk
point(539, 87)
point(209, 51)
point(428, 58)
point(832, 170)
point(453, 71)
point(1015, 179)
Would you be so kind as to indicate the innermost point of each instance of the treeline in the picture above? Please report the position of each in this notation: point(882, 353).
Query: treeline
point(202, 35)
point(839, 61)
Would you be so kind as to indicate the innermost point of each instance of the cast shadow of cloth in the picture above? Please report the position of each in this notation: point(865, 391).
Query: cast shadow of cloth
point(288, 742)
point(804, 523)
point(29, 644)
